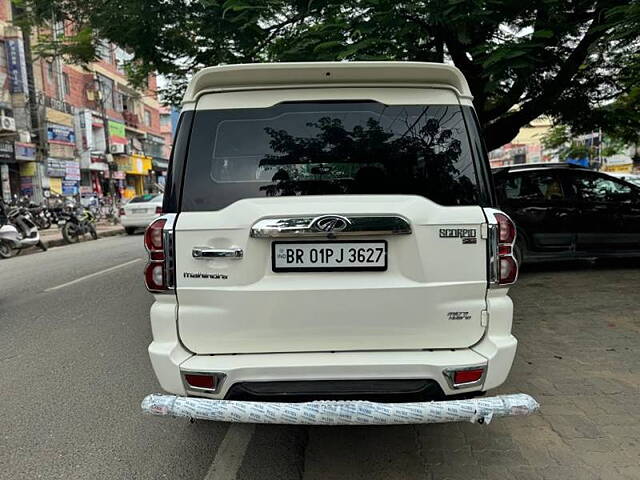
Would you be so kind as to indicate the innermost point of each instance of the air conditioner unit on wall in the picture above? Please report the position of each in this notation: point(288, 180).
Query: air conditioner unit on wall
point(119, 149)
point(7, 124)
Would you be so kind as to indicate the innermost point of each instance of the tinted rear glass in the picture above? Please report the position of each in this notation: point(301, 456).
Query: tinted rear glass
point(146, 198)
point(329, 149)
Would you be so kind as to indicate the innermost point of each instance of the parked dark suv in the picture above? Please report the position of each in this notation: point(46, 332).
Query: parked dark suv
point(562, 211)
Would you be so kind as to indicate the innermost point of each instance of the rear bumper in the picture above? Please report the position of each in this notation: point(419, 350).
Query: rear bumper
point(137, 221)
point(341, 413)
point(170, 359)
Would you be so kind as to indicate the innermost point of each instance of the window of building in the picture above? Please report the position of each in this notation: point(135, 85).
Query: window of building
point(65, 84)
point(147, 118)
point(3, 58)
point(118, 103)
point(50, 74)
point(106, 88)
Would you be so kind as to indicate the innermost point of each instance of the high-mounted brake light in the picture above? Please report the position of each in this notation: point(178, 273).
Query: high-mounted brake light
point(155, 273)
point(505, 267)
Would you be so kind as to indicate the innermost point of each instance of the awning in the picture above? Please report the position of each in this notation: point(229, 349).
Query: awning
point(160, 164)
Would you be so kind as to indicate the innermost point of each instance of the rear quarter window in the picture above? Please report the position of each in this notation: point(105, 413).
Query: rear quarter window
point(329, 148)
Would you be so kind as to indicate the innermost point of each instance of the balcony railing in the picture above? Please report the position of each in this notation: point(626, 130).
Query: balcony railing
point(131, 119)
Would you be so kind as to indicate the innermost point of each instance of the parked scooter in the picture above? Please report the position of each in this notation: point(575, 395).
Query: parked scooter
point(18, 232)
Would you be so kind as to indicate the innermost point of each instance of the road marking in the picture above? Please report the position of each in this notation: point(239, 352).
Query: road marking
point(231, 451)
point(106, 270)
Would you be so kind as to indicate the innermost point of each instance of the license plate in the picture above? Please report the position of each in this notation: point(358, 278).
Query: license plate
point(329, 256)
point(61, 222)
point(138, 210)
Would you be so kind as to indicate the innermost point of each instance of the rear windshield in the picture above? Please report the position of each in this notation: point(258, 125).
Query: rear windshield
point(146, 198)
point(329, 149)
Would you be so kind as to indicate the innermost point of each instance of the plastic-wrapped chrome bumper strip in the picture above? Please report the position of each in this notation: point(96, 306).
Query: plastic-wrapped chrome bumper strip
point(480, 410)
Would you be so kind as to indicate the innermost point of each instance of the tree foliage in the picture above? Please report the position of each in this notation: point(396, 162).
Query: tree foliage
point(562, 142)
point(565, 58)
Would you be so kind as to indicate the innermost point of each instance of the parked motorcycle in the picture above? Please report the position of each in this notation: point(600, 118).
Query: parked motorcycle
point(76, 223)
point(41, 216)
point(18, 232)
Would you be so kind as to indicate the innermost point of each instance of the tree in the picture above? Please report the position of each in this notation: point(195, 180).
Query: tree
point(563, 143)
point(522, 59)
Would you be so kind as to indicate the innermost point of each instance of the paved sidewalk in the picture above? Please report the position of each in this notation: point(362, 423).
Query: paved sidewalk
point(53, 236)
point(578, 329)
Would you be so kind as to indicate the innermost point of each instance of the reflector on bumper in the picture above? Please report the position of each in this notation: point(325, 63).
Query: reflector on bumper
point(481, 410)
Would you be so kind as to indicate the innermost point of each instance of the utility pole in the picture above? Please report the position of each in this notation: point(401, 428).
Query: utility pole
point(107, 143)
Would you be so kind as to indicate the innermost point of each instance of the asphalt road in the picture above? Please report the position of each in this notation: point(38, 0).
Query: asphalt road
point(73, 336)
point(75, 368)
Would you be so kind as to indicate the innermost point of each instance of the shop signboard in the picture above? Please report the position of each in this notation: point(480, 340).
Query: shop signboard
point(59, 118)
point(25, 151)
point(60, 150)
point(72, 170)
point(116, 133)
point(135, 164)
point(16, 65)
point(28, 169)
point(6, 152)
point(70, 187)
point(56, 167)
point(61, 134)
point(55, 185)
point(26, 186)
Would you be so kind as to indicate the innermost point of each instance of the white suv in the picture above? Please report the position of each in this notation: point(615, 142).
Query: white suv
point(329, 233)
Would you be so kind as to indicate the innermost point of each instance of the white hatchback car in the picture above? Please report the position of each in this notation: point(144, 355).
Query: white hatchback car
point(330, 232)
point(140, 211)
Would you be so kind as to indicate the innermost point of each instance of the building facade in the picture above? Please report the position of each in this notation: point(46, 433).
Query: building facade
point(79, 130)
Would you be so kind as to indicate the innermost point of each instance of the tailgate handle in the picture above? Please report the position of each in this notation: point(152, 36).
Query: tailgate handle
point(206, 252)
point(331, 226)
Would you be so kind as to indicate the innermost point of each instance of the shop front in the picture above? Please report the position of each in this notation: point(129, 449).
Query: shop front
point(160, 168)
point(9, 172)
point(136, 168)
point(56, 171)
point(18, 169)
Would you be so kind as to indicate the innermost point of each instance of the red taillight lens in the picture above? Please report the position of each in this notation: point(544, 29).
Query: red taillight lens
point(154, 276)
point(507, 230)
point(155, 271)
point(201, 381)
point(121, 212)
point(153, 235)
point(158, 210)
point(467, 376)
point(507, 267)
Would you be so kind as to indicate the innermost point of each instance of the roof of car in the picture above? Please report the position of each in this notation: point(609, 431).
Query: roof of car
point(537, 166)
point(263, 75)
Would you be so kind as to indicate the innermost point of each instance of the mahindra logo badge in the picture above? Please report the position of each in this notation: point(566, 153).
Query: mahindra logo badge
point(330, 223)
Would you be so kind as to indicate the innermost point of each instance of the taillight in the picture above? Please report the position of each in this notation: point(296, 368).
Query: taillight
point(121, 212)
point(155, 273)
point(506, 266)
point(158, 210)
